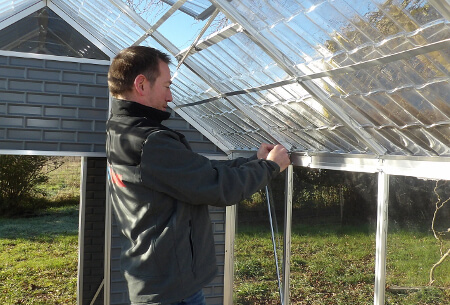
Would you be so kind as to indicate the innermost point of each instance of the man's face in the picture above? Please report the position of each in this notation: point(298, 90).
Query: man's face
point(159, 94)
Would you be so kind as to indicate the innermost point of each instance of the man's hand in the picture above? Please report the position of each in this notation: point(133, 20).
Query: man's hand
point(264, 150)
point(278, 154)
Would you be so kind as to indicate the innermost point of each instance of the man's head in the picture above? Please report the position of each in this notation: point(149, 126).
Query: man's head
point(141, 74)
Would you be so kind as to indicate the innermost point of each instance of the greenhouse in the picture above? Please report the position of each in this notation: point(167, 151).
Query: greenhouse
point(347, 86)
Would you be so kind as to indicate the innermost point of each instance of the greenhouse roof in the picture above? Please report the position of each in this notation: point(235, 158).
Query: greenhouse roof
point(321, 77)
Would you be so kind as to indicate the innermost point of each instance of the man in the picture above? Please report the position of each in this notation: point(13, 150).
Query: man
point(161, 189)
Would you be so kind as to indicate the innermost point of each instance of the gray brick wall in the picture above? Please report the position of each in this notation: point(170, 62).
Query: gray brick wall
point(94, 234)
point(52, 105)
point(56, 106)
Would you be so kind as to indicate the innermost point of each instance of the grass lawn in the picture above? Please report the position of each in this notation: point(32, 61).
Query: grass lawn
point(38, 258)
point(335, 265)
point(39, 254)
point(330, 265)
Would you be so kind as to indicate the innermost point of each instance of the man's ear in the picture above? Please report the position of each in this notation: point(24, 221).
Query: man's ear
point(139, 82)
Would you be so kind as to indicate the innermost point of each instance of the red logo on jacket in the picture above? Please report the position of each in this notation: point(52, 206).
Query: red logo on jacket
point(115, 178)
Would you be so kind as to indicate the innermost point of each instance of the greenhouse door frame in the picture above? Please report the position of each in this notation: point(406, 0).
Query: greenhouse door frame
point(434, 168)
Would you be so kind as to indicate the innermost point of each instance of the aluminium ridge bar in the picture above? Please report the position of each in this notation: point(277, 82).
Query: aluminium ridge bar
point(333, 72)
point(213, 39)
point(158, 23)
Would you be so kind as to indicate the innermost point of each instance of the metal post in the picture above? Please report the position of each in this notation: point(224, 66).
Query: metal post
point(381, 238)
point(108, 233)
point(81, 227)
point(230, 233)
point(289, 187)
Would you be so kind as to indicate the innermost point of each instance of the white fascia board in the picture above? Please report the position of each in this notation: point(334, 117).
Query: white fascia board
point(25, 152)
point(22, 14)
point(81, 30)
point(420, 167)
point(56, 58)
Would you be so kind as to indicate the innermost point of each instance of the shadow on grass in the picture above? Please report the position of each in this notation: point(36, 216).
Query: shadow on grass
point(48, 223)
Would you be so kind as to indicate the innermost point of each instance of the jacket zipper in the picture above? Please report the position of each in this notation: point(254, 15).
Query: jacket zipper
point(192, 247)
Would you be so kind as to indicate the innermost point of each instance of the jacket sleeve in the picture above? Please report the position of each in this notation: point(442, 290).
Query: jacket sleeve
point(233, 163)
point(168, 166)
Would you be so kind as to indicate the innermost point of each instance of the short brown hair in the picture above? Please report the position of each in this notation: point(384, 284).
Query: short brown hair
point(131, 62)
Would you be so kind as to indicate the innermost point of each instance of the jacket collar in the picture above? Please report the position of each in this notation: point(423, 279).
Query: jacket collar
point(129, 108)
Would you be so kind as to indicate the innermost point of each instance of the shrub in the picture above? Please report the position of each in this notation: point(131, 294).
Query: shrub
point(19, 177)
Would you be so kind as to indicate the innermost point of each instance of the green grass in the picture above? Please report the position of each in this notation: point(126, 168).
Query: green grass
point(39, 254)
point(335, 265)
point(38, 258)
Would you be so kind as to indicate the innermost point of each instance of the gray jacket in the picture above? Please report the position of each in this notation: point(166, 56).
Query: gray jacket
point(160, 193)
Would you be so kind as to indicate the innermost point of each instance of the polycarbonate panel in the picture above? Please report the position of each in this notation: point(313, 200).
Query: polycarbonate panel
point(232, 126)
point(223, 62)
point(11, 7)
point(104, 21)
point(401, 103)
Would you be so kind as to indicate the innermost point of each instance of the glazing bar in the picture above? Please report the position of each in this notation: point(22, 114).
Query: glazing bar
point(289, 187)
point(381, 238)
